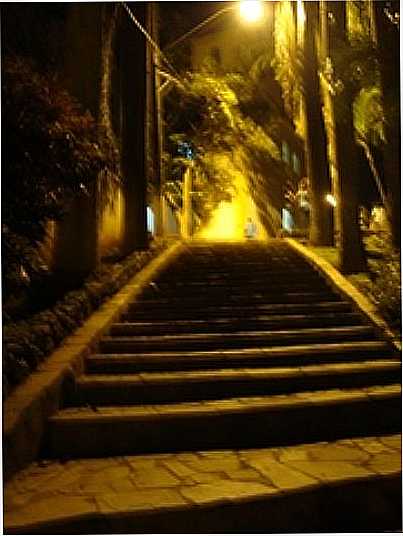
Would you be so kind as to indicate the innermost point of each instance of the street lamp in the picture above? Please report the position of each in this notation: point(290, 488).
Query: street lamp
point(251, 10)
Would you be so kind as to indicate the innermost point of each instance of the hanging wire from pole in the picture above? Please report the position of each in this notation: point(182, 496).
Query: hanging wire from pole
point(199, 26)
point(152, 42)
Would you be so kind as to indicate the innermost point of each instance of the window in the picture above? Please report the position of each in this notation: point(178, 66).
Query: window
point(285, 152)
point(295, 164)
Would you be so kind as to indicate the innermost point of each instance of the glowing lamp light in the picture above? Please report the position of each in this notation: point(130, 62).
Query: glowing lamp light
point(251, 10)
point(331, 200)
point(301, 11)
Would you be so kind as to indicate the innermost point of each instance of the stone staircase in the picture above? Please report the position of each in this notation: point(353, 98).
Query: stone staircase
point(231, 347)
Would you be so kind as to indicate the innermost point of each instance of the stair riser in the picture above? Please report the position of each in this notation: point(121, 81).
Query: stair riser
point(252, 429)
point(200, 300)
point(143, 313)
point(117, 393)
point(119, 365)
point(133, 346)
point(242, 325)
point(343, 507)
point(191, 281)
point(229, 291)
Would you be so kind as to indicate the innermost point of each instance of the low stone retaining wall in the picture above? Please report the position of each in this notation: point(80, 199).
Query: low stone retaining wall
point(29, 406)
point(349, 291)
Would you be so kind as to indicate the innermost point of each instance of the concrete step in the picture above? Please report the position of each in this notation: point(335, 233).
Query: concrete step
point(278, 356)
point(203, 278)
point(245, 422)
point(343, 486)
point(234, 340)
point(173, 387)
point(200, 300)
point(142, 311)
point(225, 325)
point(221, 292)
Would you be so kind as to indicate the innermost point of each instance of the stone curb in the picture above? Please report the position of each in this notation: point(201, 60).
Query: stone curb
point(348, 290)
point(27, 409)
point(312, 500)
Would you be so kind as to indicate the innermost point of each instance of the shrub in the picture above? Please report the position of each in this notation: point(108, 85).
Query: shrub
point(28, 342)
point(386, 288)
point(51, 151)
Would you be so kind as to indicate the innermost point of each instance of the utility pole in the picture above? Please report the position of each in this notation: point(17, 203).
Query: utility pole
point(186, 216)
point(321, 226)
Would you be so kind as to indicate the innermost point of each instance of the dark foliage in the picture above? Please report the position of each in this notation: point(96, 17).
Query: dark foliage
point(51, 151)
point(28, 342)
point(386, 288)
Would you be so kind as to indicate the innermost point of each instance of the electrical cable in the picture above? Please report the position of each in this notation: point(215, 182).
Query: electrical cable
point(199, 26)
point(151, 41)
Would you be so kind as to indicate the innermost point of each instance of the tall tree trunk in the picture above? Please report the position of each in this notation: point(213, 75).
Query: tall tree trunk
point(352, 254)
point(321, 223)
point(389, 48)
point(76, 242)
point(135, 81)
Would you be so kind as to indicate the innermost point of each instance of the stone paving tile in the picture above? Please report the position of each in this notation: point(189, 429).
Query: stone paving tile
point(206, 478)
point(394, 442)
point(221, 463)
point(337, 452)
point(385, 463)
point(383, 390)
point(52, 478)
point(156, 477)
point(106, 479)
point(50, 509)
point(178, 468)
point(328, 471)
point(139, 500)
point(259, 454)
point(244, 474)
point(223, 491)
point(334, 396)
point(288, 455)
point(51, 490)
point(372, 446)
point(282, 476)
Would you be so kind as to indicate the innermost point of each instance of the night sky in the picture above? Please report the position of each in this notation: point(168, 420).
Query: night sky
point(176, 18)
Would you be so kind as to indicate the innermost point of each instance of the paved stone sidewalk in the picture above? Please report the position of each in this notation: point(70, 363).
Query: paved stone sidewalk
point(50, 491)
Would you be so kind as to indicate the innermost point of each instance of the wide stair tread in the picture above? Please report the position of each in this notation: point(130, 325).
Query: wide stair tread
point(143, 311)
point(183, 492)
point(241, 422)
point(128, 328)
point(221, 340)
point(163, 387)
point(257, 298)
point(295, 355)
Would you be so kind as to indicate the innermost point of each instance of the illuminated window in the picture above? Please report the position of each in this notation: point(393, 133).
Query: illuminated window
point(285, 152)
point(150, 221)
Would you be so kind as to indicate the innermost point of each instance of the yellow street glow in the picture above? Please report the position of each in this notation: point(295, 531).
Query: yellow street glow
point(251, 10)
point(331, 200)
point(228, 220)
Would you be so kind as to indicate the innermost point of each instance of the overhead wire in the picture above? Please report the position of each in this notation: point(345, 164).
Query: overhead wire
point(177, 77)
